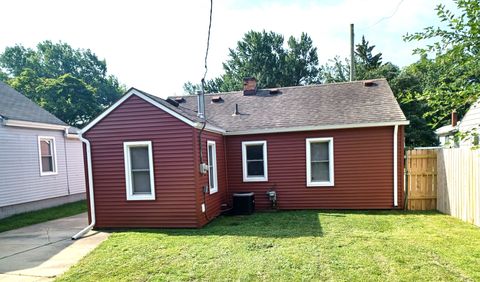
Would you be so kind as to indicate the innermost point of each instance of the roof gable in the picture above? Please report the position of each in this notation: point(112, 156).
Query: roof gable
point(15, 106)
point(187, 117)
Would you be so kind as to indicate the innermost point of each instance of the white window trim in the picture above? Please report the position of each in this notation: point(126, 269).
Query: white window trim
point(213, 186)
point(54, 151)
point(128, 172)
point(330, 163)
point(247, 178)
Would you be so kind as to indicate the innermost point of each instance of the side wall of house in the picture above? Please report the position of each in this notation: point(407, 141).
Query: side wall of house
point(471, 123)
point(20, 179)
point(174, 178)
point(363, 169)
point(213, 201)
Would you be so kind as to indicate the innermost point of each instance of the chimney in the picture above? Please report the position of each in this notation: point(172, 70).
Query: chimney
point(454, 118)
point(249, 86)
point(201, 104)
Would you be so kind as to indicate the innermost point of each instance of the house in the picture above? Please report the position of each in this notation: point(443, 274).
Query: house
point(331, 146)
point(41, 157)
point(469, 125)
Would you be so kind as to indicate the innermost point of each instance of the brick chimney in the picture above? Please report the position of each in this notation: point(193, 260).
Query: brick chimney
point(249, 86)
point(454, 118)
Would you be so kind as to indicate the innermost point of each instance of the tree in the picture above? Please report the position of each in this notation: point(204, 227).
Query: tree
point(365, 56)
point(404, 84)
point(264, 56)
point(59, 66)
point(454, 83)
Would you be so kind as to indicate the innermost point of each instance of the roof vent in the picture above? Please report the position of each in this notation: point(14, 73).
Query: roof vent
point(249, 86)
point(236, 112)
point(369, 83)
point(274, 91)
point(217, 99)
point(172, 102)
point(179, 100)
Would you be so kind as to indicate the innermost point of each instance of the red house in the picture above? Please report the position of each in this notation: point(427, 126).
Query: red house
point(330, 146)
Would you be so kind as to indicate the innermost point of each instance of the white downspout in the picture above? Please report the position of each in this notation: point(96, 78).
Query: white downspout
point(90, 191)
point(395, 166)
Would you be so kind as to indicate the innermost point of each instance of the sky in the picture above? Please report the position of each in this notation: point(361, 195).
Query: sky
point(156, 46)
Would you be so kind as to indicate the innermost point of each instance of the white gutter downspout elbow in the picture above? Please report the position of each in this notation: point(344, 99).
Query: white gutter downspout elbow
point(395, 166)
point(90, 191)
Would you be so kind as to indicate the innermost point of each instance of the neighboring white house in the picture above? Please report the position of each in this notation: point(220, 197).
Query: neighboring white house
point(469, 124)
point(41, 157)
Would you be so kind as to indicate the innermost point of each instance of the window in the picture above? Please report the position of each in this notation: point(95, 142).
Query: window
point(212, 166)
point(48, 155)
point(254, 161)
point(139, 170)
point(320, 162)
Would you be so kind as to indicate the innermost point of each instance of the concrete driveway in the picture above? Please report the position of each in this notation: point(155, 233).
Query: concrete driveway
point(44, 251)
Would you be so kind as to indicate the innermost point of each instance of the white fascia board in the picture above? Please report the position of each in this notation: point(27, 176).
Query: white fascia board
point(127, 95)
point(319, 127)
point(31, 124)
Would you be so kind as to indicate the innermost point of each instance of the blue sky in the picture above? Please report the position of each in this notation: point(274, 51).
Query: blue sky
point(157, 45)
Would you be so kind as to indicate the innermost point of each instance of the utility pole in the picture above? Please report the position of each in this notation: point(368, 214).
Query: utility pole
point(352, 53)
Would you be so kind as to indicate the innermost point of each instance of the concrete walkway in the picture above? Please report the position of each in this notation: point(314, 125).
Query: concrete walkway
point(44, 251)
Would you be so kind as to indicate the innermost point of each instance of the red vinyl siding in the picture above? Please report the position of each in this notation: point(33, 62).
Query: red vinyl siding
point(363, 169)
point(174, 171)
point(213, 201)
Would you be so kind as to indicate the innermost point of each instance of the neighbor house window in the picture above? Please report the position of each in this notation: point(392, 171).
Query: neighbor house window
point(139, 170)
point(212, 166)
point(319, 162)
point(48, 155)
point(254, 160)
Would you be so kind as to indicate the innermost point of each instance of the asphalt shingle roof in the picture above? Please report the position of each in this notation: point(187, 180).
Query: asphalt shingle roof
point(14, 105)
point(314, 105)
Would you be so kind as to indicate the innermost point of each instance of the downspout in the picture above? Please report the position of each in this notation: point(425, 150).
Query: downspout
point(66, 159)
point(90, 191)
point(395, 166)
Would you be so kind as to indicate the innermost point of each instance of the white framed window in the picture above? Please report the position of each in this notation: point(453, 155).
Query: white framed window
point(212, 166)
point(320, 162)
point(47, 154)
point(254, 161)
point(139, 178)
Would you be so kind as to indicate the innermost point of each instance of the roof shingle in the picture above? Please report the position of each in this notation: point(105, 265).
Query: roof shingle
point(14, 105)
point(313, 105)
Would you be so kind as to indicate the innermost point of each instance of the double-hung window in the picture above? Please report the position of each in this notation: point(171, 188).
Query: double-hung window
point(212, 166)
point(320, 162)
point(139, 170)
point(48, 155)
point(254, 161)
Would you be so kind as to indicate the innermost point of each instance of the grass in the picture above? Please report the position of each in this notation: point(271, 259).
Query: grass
point(29, 218)
point(293, 246)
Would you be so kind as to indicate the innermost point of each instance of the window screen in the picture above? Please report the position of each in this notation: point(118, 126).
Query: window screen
point(140, 170)
point(319, 159)
point(47, 155)
point(255, 166)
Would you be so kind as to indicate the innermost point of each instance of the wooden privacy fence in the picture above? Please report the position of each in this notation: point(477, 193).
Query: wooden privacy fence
point(459, 183)
point(421, 179)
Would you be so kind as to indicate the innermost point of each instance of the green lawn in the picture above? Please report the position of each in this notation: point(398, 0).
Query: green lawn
point(293, 246)
point(29, 218)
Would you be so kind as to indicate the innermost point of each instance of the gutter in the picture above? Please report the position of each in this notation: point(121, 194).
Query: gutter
point(395, 166)
point(90, 191)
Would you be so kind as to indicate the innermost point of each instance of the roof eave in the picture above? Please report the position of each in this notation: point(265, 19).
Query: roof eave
point(316, 127)
point(31, 124)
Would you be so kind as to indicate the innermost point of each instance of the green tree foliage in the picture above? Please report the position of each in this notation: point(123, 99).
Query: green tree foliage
point(264, 56)
point(73, 84)
point(453, 75)
point(403, 83)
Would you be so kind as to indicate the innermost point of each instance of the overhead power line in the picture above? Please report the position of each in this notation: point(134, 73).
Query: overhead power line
point(208, 42)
